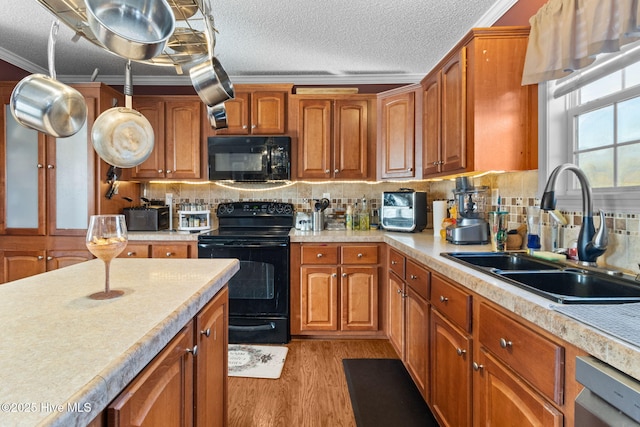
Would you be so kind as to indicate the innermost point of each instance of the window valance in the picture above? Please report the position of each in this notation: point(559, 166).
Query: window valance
point(566, 35)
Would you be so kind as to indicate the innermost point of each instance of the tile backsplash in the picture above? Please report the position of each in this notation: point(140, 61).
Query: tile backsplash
point(517, 191)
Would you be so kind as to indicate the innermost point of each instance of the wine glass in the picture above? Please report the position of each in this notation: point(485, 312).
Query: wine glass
point(106, 238)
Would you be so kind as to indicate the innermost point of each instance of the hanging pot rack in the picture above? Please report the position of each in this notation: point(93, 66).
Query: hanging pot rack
point(187, 45)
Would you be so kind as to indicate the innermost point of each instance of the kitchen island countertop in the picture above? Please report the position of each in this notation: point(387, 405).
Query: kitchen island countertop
point(65, 357)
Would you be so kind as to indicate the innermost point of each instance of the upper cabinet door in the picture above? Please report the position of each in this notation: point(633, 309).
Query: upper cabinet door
point(237, 115)
point(431, 125)
point(314, 138)
point(351, 139)
point(23, 166)
point(398, 136)
point(153, 110)
point(268, 113)
point(183, 142)
point(454, 110)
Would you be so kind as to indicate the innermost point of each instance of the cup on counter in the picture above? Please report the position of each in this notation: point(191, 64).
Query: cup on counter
point(498, 225)
point(318, 220)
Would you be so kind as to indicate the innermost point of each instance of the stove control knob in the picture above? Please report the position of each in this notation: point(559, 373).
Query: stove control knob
point(222, 208)
point(271, 208)
point(288, 209)
point(279, 208)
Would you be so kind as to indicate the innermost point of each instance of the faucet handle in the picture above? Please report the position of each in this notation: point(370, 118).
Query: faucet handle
point(601, 239)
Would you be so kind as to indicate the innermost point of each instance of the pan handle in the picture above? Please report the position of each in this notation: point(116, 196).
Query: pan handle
point(51, 48)
point(128, 86)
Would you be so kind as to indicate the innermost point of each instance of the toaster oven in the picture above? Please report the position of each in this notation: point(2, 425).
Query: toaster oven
point(404, 210)
point(147, 218)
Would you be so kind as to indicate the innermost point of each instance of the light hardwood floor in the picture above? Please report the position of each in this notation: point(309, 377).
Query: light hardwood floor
point(312, 390)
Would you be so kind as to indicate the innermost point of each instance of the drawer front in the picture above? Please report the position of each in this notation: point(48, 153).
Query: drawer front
point(532, 356)
point(135, 250)
point(360, 254)
point(451, 301)
point(170, 251)
point(396, 263)
point(319, 254)
point(418, 278)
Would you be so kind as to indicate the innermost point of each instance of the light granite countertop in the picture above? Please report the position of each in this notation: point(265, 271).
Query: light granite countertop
point(426, 249)
point(65, 357)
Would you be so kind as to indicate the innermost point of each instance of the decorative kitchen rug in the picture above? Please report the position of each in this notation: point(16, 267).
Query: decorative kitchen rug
point(256, 361)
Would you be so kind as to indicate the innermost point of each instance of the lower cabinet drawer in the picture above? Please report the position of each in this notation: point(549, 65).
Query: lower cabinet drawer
point(319, 254)
point(532, 356)
point(451, 301)
point(418, 278)
point(135, 250)
point(396, 263)
point(360, 254)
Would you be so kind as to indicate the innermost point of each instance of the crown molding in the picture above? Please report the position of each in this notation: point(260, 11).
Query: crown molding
point(21, 63)
point(494, 13)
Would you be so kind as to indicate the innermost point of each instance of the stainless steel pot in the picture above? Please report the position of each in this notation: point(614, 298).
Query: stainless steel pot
point(42, 103)
point(208, 77)
point(133, 29)
point(123, 137)
point(217, 116)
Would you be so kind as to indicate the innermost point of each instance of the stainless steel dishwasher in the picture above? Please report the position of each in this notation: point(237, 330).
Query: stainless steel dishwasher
point(610, 397)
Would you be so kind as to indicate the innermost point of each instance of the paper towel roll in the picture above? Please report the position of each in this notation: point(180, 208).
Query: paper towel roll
point(439, 213)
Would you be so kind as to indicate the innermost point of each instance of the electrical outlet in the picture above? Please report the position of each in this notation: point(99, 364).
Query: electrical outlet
point(494, 196)
point(326, 196)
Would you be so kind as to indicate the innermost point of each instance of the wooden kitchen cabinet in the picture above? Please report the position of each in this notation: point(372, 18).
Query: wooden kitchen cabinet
point(178, 124)
point(408, 317)
point(334, 135)
point(338, 290)
point(160, 249)
point(186, 383)
point(257, 110)
point(474, 106)
point(397, 133)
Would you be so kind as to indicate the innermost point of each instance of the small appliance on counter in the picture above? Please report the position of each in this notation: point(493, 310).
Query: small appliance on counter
point(404, 210)
point(471, 227)
point(150, 217)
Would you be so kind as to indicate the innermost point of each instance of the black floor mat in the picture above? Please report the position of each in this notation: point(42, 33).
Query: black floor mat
point(383, 394)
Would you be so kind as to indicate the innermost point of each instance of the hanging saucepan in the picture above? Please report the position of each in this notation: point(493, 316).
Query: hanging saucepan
point(42, 103)
point(123, 137)
point(208, 77)
point(133, 29)
point(217, 116)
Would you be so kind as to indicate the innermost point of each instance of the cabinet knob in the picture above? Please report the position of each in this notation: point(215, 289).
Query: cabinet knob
point(409, 169)
point(253, 126)
point(460, 351)
point(193, 350)
point(131, 253)
point(399, 291)
point(40, 165)
point(159, 170)
point(336, 171)
point(49, 258)
point(393, 262)
point(360, 255)
point(344, 274)
point(504, 343)
point(413, 277)
point(206, 332)
point(334, 275)
point(319, 256)
point(477, 367)
point(326, 171)
point(40, 257)
point(443, 298)
point(169, 254)
point(49, 166)
point(168, 171)
point(244, 126)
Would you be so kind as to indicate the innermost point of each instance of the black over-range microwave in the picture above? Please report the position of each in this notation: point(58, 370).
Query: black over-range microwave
point(249, 158)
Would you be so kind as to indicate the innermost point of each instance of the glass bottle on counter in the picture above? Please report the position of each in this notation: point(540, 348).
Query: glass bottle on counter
point(349, 218)
point(364, 215)
point(356, 217)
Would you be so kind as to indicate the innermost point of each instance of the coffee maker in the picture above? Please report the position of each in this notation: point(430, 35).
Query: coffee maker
point(471, 226)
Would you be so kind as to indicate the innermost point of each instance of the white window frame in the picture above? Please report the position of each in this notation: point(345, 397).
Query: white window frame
point(556, 147)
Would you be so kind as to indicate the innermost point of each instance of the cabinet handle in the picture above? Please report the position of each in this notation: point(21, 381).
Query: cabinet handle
point(477, 367)
point(413, 277)
point(443, 298)
point(39, 165)
point(49, 258)
point(326, 171)
point(168, 171)
point(244, 126)
point(159, 170)
point(169, 254)
point(344, 274)
point(399, 291)
point(409, 169)
point(49, 166)
point(206, 332)
point(360, 255)
point(336, 171)
point(393, 262)
point(504, 343)
point(193, 350)
point(40, 257)
point(319, 256)
point(334, 275)
point(460, 351)
point(253, 126)
point(131, 253)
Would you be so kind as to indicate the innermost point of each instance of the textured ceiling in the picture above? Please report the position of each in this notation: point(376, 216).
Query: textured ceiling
point(314, 42)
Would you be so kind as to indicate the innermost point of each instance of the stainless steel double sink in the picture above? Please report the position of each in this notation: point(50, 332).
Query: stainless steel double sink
point(556, 281)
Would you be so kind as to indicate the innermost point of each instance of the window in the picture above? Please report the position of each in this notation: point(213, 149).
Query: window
point(597, 127)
